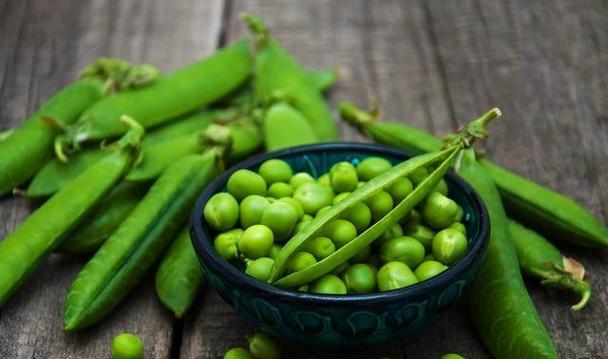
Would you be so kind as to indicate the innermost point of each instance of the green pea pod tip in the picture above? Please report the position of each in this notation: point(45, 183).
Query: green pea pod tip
point(257, 27)
point(118, 74)
point(569, 275)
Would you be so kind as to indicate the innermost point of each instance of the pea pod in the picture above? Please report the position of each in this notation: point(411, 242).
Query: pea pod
point(172, 95)
point(32, 240)
point(56, 173)
point(103, 220)
point(284, 126)
point(278, 74)
point(179, 275)
point(540, 259)
point(323, 80)
point(501, 309)
point(540, 207)
point(139, 241)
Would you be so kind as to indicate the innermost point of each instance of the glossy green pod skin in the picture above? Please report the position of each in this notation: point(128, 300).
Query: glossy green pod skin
point(28, 147)
point(138, 242)
point(499, 304)
point(540, 259)
point(172, 95)
point(22, 249)
point(539, 207)
point(278, 75)
point(179, 275)
point(103, 220)
point(55, 174)
point(284, 126)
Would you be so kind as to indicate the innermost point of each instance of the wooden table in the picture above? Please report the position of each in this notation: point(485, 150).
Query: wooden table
point(431, 63)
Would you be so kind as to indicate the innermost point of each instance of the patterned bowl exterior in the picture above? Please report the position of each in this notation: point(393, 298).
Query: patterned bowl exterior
point(348, 321)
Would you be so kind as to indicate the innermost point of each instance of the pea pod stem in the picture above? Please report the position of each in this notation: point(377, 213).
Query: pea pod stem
point(32, 240)
point(540, 207)
point(540, 259)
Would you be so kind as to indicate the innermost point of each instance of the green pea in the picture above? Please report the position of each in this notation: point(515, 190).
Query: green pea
point(459, 214)
point(312, 197)
point(324, 180)
point(127, 346)
point(322, 210)
point(221, 211)
point(422, 233)
point(328, 284)
point(340, 197)
point(256, 241)
point(274, 250)
point(359, 215)
point(400, 189)
point(419, 175)
point(360, 279)
point(295, 204)
point(260, 268)
point(320, 247)
point(263, 346)
point(362, 256)
point(429, 269)
point(393, 232)
point(361, 184)
point(280, 189)
point(442, 187)
point(402, 249)
point(300, 261)
point(299, 226)
point(243, 183)
point(275, 170)
point(226, 244)
point(459, 227)
point(380, 204)
point(343, 177)
point(439, 211)
point(449, 245)
point(251, 209)
point(238, 353)
point(340, 231)
point(413, 217)
point(281, 218)
point(452, 356)
point(300, 178)
point(371, 167)
point(395, 275)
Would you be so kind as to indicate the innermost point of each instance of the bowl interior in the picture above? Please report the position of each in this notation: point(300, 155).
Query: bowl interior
point(317, 160)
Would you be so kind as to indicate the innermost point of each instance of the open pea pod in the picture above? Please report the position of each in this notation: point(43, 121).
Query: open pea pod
point(375, 231)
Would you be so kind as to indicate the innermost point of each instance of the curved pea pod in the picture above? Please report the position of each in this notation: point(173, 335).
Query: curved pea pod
point(138, 242)
point(500, 308)
point(103, 220)
point(187, 124)
point(540, 259)
point(179, 275)
point(172, 95)
point(56, 174)
point(29, 146)
point(540, 207)
point(284, 126)
point(32, 240)
point(278, 74)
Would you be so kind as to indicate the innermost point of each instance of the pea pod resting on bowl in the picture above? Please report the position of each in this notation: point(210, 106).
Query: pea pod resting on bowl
point(179, 275)
point(172, 95)
point(277, 74)
point(442, 159)
point(32, 240)
point(525, 200)
point(29, 146)
point(284, 126)
point(499, 304)
point(138, 242)
point(540, 259)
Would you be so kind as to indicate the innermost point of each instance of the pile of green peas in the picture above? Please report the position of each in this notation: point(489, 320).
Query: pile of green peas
point(261, 210)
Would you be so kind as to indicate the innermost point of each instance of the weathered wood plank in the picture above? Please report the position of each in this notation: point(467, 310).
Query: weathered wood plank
point(544, 65)
point(44, 44)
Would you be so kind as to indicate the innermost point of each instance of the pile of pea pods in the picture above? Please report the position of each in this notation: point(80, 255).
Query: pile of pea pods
point(118, 157)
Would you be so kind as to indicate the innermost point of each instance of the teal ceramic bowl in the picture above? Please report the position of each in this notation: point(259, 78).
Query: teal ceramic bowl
point(340, 322)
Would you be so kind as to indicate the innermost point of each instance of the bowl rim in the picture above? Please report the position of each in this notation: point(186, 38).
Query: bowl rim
point(206, 253)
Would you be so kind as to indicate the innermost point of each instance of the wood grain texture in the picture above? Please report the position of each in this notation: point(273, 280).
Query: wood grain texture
point(43, 46)
point(432, 64)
